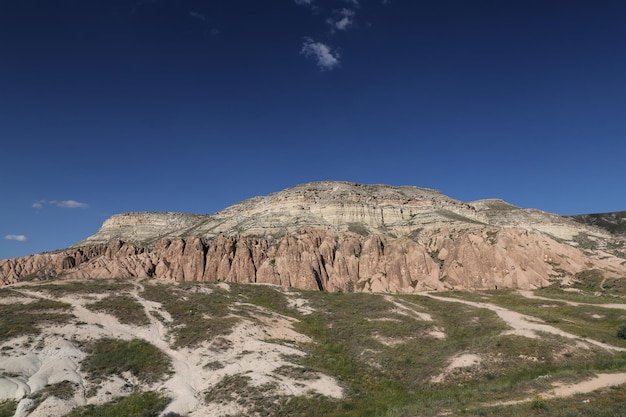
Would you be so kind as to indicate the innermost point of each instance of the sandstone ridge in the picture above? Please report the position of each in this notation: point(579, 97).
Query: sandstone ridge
point(340, 236)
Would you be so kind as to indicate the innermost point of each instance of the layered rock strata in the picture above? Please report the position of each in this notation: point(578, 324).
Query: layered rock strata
point(337, 236)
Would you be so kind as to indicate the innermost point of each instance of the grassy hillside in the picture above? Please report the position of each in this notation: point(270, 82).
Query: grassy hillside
point(387, 355)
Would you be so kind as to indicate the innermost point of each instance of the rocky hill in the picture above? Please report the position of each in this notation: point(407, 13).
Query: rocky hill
point(614, 223)
point(339, 236)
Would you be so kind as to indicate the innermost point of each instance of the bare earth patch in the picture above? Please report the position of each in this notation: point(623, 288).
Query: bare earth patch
point(255, 348)
point(466, 360)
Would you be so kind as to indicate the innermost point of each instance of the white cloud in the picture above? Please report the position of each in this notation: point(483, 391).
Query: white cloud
point(326, 57)
point(70, 204)
point(354, 2)
point(63, 204)
point(343, 19)
point(304, 2)
point(17, 238)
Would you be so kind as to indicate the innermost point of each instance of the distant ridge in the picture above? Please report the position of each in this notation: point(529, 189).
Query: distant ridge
point(343, 236)
point(614, 223)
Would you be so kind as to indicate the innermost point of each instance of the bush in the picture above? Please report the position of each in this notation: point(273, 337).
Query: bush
point(621, 332)
point(7, 408)
point(111, 356)
point(147, 404)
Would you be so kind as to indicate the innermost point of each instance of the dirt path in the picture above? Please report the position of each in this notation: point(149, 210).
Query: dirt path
point(567, 390)
point(525, 325)
point(184, 384)
point(405, 310)
point(531, 295)
point(253, 351)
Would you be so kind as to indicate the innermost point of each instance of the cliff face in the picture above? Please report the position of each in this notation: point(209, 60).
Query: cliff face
point(340, 237)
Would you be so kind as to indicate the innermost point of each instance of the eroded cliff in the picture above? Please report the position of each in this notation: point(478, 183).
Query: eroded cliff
point(337, 236)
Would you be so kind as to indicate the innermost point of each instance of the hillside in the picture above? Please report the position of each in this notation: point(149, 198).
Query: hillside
point(139, 348)
point(338, 236)
point(376, 301)
point(615, 223)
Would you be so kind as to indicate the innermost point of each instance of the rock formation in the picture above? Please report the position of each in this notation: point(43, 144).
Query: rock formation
point(338, 236)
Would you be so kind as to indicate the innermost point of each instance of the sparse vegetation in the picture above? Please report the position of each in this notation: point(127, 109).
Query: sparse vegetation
point(580, 320)
point(26, 319)
point(457, 217)
point(380, 348)
point(111, 356)
point(415, 233)
point(100, 286)
point(613, 222)
point(585, 242)
point(435, 256)
point(358, 228)
point(199, 316)
point(63, 390)
point(7, 408)
point(146, 404)
point(125, 308)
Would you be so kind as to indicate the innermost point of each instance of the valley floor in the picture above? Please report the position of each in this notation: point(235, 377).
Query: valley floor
point(80, 348)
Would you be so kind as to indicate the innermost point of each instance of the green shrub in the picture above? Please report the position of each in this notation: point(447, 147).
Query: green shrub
point(621, 332)
point(191, 309)
point(125, 308)
point(358, 228)
point(7, 408)
point(24, 319)
point(111, 356)
point(146, 404)
point(63, 390)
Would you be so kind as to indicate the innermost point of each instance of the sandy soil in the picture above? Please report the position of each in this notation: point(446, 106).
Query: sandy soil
point(405, 310)
point(466, 360)
point(567, 390)
point(28, 370)
point(28, 364)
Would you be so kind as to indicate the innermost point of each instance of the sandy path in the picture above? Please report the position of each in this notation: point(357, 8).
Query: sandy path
point(408, 311)
point(187, 379)
point(183, 384)
point(567, 390)
point(524, 325)
point(531, 295)
point(253, 352)
point(528, 325)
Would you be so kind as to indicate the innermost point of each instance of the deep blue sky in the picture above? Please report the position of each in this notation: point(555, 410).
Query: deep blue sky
point(108, 106)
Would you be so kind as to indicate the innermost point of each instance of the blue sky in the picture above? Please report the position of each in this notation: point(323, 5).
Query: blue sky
point(109, 106)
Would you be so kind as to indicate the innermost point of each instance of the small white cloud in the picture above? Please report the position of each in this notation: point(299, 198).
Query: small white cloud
point(70, 204)
point(354, 2)
point(326, 57)
point(343, 19)
point(304, 2)
point(63, 204)
point(198, 16)
point(17, 238)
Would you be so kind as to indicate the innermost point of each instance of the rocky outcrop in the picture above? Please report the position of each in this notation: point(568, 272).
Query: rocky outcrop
point(614, 223)
point(339, 237)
